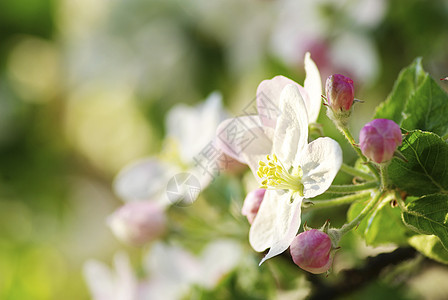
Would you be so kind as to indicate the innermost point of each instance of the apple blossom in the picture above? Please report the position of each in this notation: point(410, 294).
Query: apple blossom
point(139, 222)
point(147, 178)
point(311, 251)
point(288, 167)
point(379, 139)
point(311, 92)
point(340, 92)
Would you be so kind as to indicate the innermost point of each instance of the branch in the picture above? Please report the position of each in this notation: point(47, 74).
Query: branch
point(355, 279)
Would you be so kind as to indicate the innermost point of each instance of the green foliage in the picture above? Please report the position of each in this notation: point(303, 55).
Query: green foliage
point(430, 246)
point(376, 227)
point(428, 215)
point(416, 102)
point(426, 170)
point(407, 83)
point(427, 108)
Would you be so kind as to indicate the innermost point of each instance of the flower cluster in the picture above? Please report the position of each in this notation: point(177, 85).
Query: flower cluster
point(290, 164)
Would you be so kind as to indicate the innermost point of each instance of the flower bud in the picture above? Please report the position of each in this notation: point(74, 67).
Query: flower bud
point(340, 92)
point(311, 251)
point(137, 223)
point(252, 204)
point(379, 139)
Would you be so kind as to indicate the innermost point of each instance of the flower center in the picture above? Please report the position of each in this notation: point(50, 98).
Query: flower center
point(276, 176)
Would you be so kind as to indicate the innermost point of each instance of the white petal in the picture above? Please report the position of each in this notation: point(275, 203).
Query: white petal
point(218, 258)
point(245, 139)
point(126, 284)
point(99, 280)
point(276, 223)
point(268, 98)
point(320, 163)
point(194, 127)
point(172, 263)
point(105, 284)
point(313, 88)
point(144, 179)
point(291, 131)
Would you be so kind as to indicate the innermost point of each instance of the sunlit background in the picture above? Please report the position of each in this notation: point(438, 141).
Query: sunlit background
point(85, 86)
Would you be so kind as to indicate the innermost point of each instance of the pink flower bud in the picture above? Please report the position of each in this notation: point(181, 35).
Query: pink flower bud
point(252, 204)
point(311, 251)
point(340, 92)
point(379, 139)
point(137, 223)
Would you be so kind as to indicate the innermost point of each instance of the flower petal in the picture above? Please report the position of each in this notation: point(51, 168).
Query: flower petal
point(194, 127)
point(217, 259)
point(291, 131)
point(105, 283)
point(313, 88)
point(245, 139)
point(276, 223)
point(144, 179)
point(268, 98)
point(320, 163)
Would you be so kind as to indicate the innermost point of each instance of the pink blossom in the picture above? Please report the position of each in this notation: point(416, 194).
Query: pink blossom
point(379, 139)
point(252, 204)
point(137, 223)
point(311, 251)
point(340, 92)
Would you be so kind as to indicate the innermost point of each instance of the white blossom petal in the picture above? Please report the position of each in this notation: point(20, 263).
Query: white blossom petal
point(172, 264)
point(268, 98)
point(194, 127)
point(313, 88)
point(144, 179)
point(217, 259)
point(105, 284)
point(320, 163)
point(245, 139)
point(276, 223)
point(291, 131)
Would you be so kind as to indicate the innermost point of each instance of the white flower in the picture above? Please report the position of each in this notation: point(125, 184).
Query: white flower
point(174, 267)
point(107, 284)
point(189, 131)
point(248, 139)
point(292, 171)
point(269, 90)
point(169, 272)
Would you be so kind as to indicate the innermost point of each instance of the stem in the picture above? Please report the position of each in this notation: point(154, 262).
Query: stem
point(350, 188)
point(356, 173)
point(340, 200)
point(351, 140)
point(400, 201)
point(349, 226)
point(383, 174)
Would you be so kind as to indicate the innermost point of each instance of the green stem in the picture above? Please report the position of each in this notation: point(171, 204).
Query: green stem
point(351, 140)
point(340, 200)
point(355, 222)
point(356, 173)
point(400, 201)
point(350, 188)
point(384, 177)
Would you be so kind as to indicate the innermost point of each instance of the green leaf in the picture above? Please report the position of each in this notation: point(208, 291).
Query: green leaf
point(426, 171)
point(429, 215)
point(430, 246)
point(407, 83)
point(382, 226)
point(427, 108)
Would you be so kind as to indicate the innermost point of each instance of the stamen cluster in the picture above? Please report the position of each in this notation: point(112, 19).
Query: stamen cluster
point(276, 176)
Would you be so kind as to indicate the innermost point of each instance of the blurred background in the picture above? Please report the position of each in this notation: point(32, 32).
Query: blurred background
point(85, 86)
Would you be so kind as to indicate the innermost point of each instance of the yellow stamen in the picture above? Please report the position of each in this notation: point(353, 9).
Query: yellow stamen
point(276, 176)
